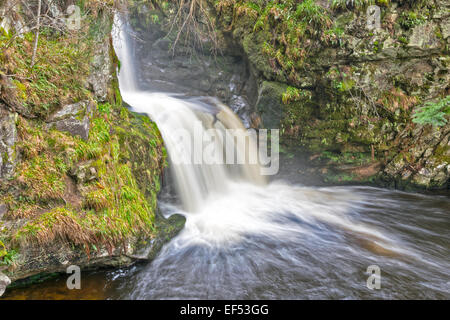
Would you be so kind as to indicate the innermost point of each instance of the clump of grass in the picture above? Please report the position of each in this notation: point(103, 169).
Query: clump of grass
point(56, 224)
point(396, 99)
point(411, 19)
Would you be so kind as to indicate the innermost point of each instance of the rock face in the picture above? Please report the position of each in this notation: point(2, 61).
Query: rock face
point(430, 165)
point(353, 96)
point(8, 139)
point(100, 76)
point(74, 118)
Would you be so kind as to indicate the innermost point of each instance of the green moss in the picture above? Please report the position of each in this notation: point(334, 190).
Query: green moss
point(126, 150)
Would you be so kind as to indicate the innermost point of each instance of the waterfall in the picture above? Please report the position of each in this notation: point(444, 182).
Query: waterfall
point(181, 123)
point(224, 202)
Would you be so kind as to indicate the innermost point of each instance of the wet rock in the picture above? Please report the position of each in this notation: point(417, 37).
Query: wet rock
point(4, 282)
point(241, 107)
point(8, 138)
point(169, 228)
point(74, 119)
point(423, 178)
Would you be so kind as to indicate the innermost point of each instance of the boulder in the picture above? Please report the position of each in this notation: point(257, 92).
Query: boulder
point(8, 95)
point(73, 118)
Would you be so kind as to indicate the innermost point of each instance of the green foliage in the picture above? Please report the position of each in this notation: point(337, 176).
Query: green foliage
point(309, 12)
point(7, 257)
point(57, 77)
point(433, 113)
point(293, 94)
point(283, 29)
point(410, 19)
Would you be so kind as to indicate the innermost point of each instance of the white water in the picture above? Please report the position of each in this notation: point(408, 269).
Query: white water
point(224, 205)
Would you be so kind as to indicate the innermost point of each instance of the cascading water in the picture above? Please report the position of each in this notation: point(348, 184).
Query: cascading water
point(203, 185)
point(246, 238)
point(194, 180)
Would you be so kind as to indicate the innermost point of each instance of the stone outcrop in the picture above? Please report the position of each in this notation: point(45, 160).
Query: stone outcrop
point(352, 102)
point(101, 71)
point(73, 118)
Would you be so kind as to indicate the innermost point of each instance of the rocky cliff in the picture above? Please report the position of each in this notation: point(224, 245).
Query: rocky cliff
point(366, 103)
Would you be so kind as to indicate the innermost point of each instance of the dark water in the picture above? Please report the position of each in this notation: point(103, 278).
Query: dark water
point(301, 259)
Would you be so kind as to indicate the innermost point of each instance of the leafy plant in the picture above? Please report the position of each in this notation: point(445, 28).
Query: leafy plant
point(411, 19)
point(433, 113)
point(7, 257)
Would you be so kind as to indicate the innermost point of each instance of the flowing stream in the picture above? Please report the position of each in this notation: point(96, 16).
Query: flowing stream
point(250, 237)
